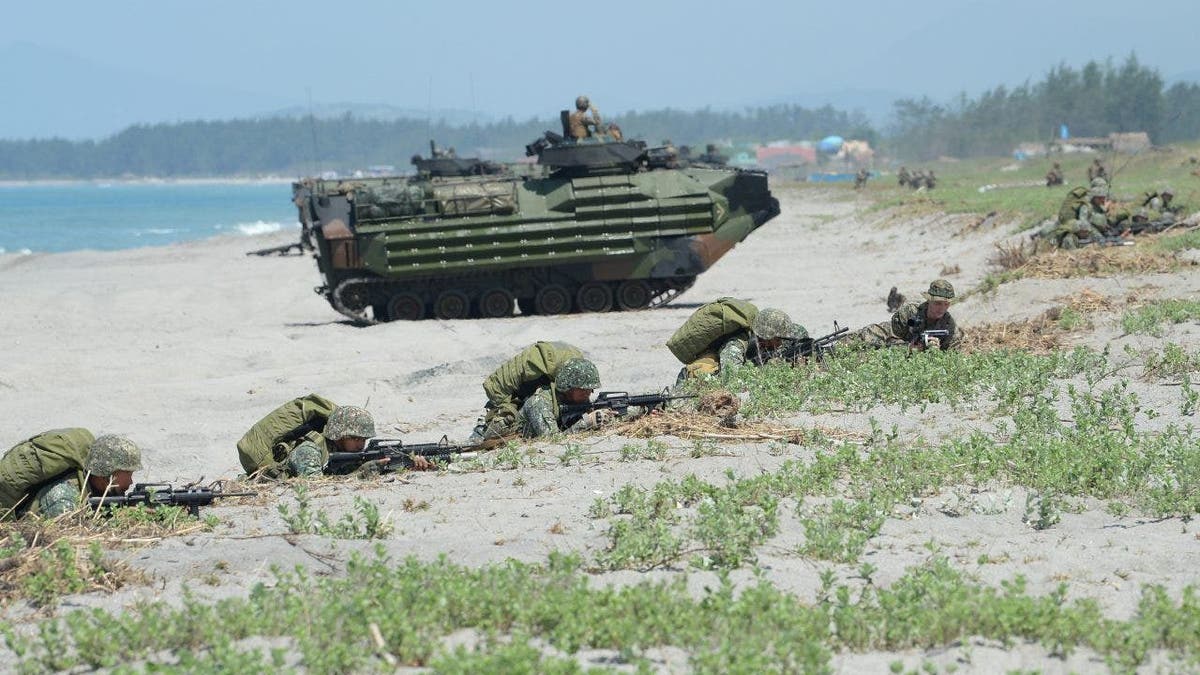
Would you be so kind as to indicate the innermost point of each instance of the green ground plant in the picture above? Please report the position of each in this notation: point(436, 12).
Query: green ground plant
point(1150, 318)
point(840, 531)
point(1172, 362)
point(759, 628)
point(364, 522)
point(1178, 242)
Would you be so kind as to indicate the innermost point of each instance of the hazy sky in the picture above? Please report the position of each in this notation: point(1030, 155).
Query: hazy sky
point(533, 58)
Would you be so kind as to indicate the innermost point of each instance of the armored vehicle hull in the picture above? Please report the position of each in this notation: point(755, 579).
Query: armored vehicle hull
point(455, 247)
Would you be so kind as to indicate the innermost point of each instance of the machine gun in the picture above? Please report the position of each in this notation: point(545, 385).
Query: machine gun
point(619, 402)
point(190, 496)
point(793, 350)
point(397, 453)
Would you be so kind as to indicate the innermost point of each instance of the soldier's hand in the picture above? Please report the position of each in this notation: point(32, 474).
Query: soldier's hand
point(933, 343)
point(421, 463)
point(596, 419)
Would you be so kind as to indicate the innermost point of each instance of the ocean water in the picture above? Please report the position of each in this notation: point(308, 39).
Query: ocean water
point(54, 217)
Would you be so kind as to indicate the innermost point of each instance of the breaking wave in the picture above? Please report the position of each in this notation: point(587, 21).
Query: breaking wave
point(258, 227)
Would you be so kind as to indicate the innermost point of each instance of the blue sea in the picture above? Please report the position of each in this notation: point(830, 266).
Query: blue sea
point(55, 217)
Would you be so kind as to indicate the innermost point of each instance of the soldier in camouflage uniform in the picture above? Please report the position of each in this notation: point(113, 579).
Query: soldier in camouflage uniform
point(1097, 170)
point(1054, 176)
point(1156, 206)
point(903, 177)
point(584, 120)
point(296, 438)
point(728, 332)
point(50, 472)
point(909, 323)
point(524, 393)
point(860, 179)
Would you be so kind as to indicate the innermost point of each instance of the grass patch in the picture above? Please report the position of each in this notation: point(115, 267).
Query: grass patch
point(1150, 318)
point(410, 605)
point(1174, 243)
point(364, 522)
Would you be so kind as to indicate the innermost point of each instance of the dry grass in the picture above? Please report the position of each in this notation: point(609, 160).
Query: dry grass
point(698, 425)
point(1042, 334)
point(1100, 261)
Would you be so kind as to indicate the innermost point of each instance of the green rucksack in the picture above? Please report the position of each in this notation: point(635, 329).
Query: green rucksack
point(1076, 198)
point(709, 325)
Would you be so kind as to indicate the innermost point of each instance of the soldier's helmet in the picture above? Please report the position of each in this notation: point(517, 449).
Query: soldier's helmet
point(582, 103)
point(577, 374)
point(940, 290)
point(771, 323)
point(1098, 191)
point(1166, 192)
point(109, 454)
point(349, 421)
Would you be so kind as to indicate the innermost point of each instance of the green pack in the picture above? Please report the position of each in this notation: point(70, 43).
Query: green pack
point(39, 459)
point(285, 425)
point(1076, 198)
point(708, 326)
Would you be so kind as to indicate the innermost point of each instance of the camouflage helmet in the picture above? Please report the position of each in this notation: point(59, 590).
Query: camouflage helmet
point(1165, 192)
point(349, 421)
point(109, 454)
point(582, 103)
point(1098, 191)
point(941, 291)
point(577, 373)
point(772, 323)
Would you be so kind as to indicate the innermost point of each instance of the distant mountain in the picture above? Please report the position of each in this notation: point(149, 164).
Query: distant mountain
point(876, 104)
point(55, 93)
point(384, 112)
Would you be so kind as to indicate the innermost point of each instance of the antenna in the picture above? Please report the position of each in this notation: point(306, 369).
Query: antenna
point(312, 127)
point(429, 112)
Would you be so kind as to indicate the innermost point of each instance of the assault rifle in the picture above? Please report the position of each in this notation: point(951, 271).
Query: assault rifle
point(619, 402)
point(285, 249)
point(397, 453)
point(191, 496)
point(794, 350)
point(922, 338)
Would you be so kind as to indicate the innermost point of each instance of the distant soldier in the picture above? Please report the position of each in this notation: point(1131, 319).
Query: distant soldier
point(525, 393)
point(1156, 208)
point(614, 132)
point(1097, 170)
point(911, 325)
point(713, 156)
point(860, 179)
point(903, 177)
point(930, 180)
point(727, 333)
point(50, 472)
point(296, 438)
point(1082, 217)
point(584, 121)
point(1054, 176)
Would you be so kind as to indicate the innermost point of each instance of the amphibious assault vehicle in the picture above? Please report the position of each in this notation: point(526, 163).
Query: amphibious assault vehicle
point(600, 224)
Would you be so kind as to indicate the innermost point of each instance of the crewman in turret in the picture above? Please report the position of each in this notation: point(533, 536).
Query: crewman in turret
point(585, 121)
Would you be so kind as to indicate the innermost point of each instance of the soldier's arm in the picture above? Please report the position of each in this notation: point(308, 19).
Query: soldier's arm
point(900, 321)
point(537, 417)
point(733, 354)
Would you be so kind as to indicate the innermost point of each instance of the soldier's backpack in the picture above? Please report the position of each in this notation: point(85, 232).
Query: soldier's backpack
point(1075, 198)
point(708, 325)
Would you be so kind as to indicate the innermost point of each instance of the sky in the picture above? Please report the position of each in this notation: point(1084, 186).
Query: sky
point(87, 69)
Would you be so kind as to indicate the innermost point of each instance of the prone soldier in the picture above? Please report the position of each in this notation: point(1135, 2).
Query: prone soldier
point(919, 327)
point(49, 473)
point(296, 438)
point(728, 332)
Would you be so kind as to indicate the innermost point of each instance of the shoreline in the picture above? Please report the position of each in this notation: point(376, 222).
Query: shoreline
point(150, 180)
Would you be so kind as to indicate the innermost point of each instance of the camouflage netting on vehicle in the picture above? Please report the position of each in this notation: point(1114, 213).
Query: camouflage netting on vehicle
point(388, 201)
point(470, 199)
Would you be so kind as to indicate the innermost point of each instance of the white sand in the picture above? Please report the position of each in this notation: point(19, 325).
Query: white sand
point(184, 347)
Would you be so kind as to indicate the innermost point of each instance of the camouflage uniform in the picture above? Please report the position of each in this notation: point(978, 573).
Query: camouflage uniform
point(1054, 176)
point(540, 414)
point(860, 178)
point(296, 438)
point(717, 337)
point(46, 474)
point(1078, 217)
point(910, 321)
point(516, 380)
point(580, 122)
point(903, 176)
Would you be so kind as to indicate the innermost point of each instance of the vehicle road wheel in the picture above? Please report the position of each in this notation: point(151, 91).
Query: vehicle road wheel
point(405, 307)
point(552, 299)
point(633, 294)
point(452, 305)
point(495, 303)
point(527, 307)
point(594, 296)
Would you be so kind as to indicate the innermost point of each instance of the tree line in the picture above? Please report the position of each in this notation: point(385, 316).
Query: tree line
point(1094, 100)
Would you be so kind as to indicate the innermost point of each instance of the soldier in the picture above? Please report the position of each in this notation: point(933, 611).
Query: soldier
point(525, 392)
point(911, 321)
point(713, 156)
point(1097, 170)
point(930, 180)
point(903, 177)
point(1089, 220)
point(614, 132)
point(860, 179)
point(1159, 203)
point(296, 438)
point(49, 473)
point(727, 333)
point(1054, 176)
point(580, 123)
